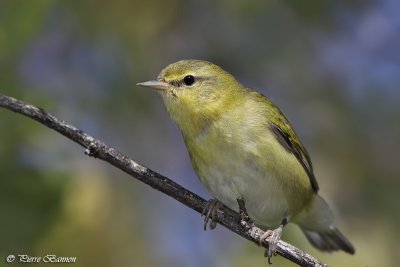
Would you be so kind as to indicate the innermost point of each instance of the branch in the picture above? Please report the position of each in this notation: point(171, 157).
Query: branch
point(98, 149)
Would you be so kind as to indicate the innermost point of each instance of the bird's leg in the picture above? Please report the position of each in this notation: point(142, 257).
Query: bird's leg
point(273, 241)
point(245, 219)
point(253, 231)
point(210, 212)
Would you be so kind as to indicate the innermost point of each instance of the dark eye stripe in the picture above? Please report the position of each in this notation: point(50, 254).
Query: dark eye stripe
point(186, 81)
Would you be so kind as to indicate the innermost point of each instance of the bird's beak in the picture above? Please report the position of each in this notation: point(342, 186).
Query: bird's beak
point(158, 85)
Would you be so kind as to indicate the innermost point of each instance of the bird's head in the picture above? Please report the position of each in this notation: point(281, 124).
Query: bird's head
point(195, 91)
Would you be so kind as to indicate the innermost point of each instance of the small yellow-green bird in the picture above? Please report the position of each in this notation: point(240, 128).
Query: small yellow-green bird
point(244, 150)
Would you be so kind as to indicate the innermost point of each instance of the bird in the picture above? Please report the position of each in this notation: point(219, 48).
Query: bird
point(246, 153)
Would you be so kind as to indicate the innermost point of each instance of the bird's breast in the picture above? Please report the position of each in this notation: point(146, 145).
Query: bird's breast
point(233, 167)
point(237, 156)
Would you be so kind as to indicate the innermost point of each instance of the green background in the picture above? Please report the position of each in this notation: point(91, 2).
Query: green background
point(333, 67)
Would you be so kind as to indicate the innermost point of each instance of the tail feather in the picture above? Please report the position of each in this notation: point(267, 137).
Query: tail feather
point(329, 241)
point(318, 226)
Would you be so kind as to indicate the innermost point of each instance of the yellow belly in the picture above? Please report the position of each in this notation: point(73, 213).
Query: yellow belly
point(259, 170)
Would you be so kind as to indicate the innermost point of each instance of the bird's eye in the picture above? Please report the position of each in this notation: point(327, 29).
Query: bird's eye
point(188, 80)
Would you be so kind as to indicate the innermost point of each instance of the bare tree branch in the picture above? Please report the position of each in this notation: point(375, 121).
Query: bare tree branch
point(98, 149)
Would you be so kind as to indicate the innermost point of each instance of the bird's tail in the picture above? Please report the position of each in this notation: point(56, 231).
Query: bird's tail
point(318, 226)
point(329, 241)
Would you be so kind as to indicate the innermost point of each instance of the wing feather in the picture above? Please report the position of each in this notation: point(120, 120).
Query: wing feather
point(296, 149)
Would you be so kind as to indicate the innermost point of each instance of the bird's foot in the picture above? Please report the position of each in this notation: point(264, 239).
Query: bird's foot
point(210, 213)
point(245, 219)
point(275, 236)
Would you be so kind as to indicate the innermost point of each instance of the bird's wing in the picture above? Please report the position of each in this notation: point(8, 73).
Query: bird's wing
point(287, 140)
point(285, 135)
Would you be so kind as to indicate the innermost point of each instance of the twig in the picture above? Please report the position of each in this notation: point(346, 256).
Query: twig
point(98, 149)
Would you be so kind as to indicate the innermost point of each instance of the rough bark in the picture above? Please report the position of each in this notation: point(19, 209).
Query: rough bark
point(97, 149)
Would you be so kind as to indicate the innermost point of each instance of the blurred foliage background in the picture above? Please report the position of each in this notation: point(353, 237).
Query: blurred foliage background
point(332, 66)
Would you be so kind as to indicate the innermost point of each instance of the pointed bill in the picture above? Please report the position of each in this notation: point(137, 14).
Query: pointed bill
point(158, 85)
